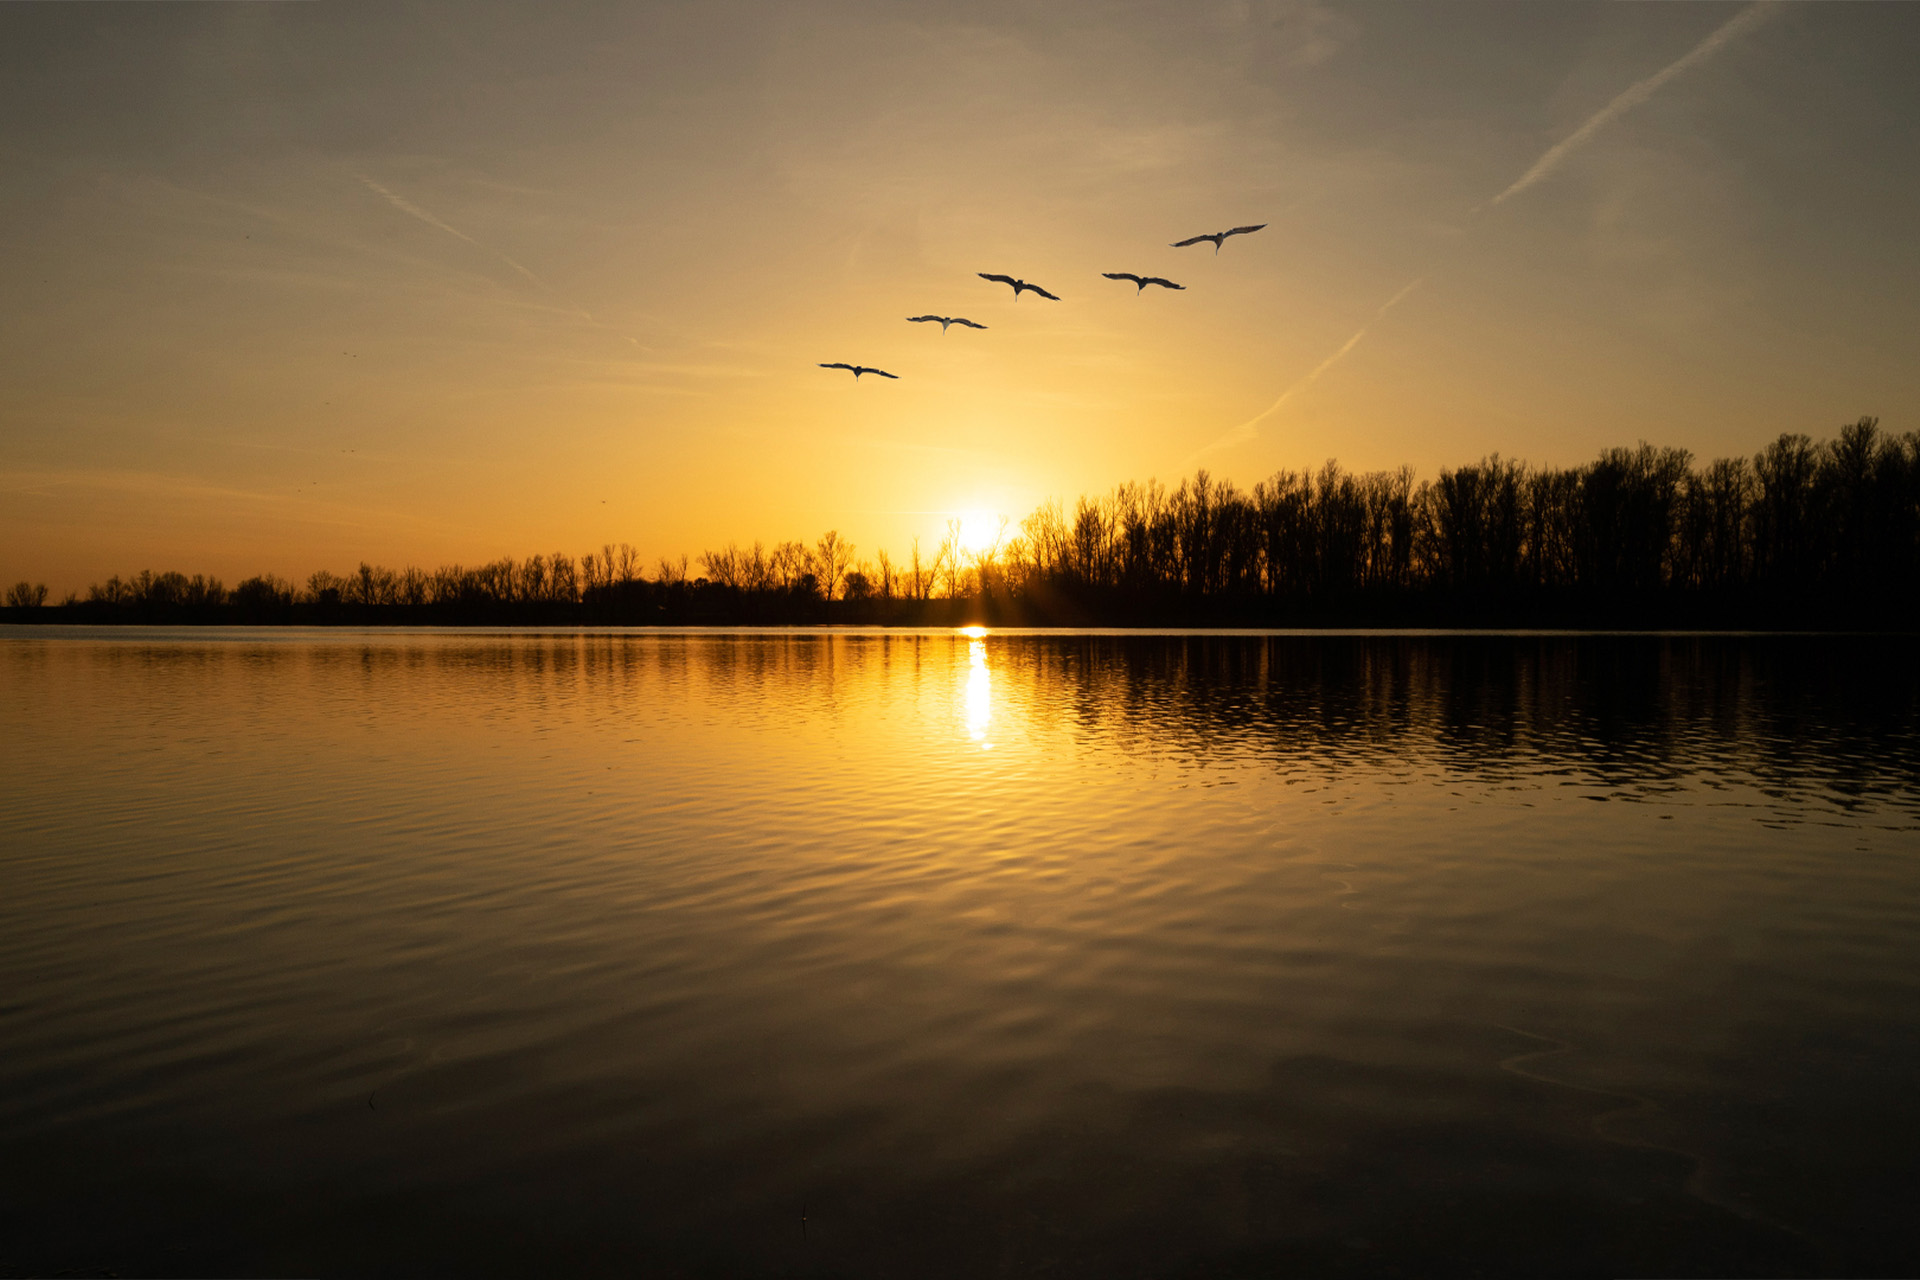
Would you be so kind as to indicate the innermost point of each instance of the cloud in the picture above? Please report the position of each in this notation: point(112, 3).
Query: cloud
point(411, 209)
point(1292, 33)
point(207, 496)
point(1625, 101)
point(1637, 93)
point(1245, 431)
point(1310, 33)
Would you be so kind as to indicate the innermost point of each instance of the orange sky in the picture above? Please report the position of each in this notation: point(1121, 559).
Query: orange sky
point(291, 286)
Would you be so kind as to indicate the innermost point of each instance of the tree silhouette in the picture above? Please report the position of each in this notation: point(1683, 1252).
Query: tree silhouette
point(832, 556)
point(1802, 533)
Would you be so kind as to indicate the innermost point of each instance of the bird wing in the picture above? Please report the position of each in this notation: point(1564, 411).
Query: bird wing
point(970, 324)
point(836, 365)
point(923, 319)
point(883, 373)
point(999, 279)
point(1042, 292)
point(1164, 284)
point(1121, 275)
point(1181, 244)
point(1240, 231)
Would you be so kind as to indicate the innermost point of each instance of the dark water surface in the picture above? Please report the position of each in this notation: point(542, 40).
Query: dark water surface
point(894, 954)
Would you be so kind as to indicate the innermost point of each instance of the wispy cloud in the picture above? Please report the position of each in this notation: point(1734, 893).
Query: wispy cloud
point(413, 210)
point(1637, 93)
point(909, 446)
point(1246, 430)
point(1629, 98)
point(124, 483)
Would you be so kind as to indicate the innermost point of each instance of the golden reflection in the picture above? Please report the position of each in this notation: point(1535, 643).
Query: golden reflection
point(979, 688)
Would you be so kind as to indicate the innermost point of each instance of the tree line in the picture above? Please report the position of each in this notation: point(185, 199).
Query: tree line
point(1802, 534)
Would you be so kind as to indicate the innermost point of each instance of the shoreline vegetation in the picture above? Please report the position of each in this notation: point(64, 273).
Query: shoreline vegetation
point(1804, 534)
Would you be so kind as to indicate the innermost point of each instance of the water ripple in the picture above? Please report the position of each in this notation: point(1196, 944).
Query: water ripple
point(1031, 953)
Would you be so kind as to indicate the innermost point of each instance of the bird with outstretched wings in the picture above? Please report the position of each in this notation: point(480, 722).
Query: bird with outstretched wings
point(1019, 286)
point(1218, 237)
point(1140, 283)
point(858, 369)
point(944, 321)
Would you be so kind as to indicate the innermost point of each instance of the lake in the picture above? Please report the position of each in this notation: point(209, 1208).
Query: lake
point(874, 953)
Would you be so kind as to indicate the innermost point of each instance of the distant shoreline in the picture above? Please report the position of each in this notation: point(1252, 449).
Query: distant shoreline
point(24, 622)
point(1804, 535)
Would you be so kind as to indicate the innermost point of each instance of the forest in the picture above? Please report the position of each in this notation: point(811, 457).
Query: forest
point(1803, 535)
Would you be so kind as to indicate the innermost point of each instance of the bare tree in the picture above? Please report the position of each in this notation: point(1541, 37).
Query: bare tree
point(791, 562)
point(563, 583)
point(27, 595)
point(723, 566)
point(1015, 571)
point(1046, 532)
point(411, 589)
point(833, 556)
point(950, 558)
point(919, 576)
point(533, 578)
point(322, 587)
point(985, 558)
point(261, 593)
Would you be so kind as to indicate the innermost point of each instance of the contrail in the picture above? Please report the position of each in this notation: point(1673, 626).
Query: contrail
point(1245, 431)
point(411, 209)
point(1636, 94)
point(1629, 98)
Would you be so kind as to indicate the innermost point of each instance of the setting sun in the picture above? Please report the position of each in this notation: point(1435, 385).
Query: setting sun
point(981, 531)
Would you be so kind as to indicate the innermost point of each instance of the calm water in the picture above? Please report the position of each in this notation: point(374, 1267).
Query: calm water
point(933, 954)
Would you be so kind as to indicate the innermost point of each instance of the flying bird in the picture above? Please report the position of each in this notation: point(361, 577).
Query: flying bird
point(859, 369)
point(1018, 286)
point(947, 320)
point(1218, 237)
point(1140, 283)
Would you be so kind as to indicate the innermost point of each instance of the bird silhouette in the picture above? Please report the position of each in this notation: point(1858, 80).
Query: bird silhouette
point(1140, 283)
point(947, 320)
point(859, 369)
point(1018, 286)
point(1218, 237)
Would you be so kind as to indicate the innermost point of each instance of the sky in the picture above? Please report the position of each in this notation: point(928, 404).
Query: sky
point(288, 286)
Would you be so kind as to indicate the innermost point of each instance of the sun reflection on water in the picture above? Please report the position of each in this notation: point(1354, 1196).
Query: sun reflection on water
point(979, 687)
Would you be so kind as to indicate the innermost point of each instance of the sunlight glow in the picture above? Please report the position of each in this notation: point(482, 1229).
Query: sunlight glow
point(980, 531)
point(979, 688)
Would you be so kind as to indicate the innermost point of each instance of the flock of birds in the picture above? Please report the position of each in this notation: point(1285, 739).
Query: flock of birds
point(1139, 282)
